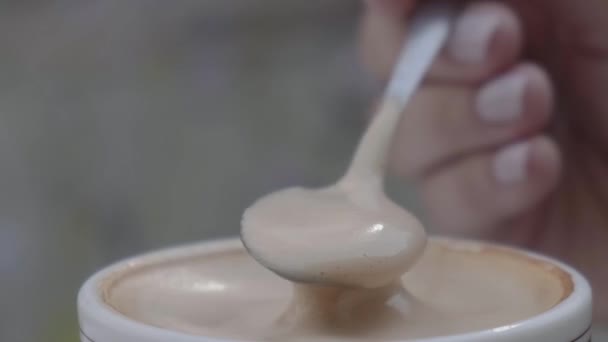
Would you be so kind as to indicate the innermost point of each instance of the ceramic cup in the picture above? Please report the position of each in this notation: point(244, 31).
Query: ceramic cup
point(568, 321)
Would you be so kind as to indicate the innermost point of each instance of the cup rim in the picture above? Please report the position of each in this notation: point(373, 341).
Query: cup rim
point(98, 318)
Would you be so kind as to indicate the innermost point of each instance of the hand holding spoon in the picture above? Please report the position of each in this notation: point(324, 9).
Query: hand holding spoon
point(351, 233)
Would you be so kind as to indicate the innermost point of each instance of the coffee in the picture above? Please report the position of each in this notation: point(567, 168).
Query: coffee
point(456, 287)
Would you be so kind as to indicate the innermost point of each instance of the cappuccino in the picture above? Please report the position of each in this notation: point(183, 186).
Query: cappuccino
point(455, 288)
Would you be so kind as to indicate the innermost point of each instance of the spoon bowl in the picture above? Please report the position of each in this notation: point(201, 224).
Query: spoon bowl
point(329, 236)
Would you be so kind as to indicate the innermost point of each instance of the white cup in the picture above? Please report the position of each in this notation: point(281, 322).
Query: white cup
point(568, 321)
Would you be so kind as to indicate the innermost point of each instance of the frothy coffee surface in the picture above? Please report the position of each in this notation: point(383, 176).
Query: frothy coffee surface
point(456, 287)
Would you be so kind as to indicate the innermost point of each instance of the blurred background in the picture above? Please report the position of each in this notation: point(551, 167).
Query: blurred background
point(132, 125)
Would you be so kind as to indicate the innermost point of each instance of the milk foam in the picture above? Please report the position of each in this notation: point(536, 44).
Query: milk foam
point(456, 287)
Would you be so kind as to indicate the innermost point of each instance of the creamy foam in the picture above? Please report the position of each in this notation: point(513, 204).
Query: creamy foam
point(328, 236)
point(456, 287)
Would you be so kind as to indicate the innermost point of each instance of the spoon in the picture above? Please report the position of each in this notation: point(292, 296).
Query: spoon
point(350, 233)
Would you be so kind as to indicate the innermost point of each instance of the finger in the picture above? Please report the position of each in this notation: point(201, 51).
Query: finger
point(486, 39)
point(478, 194)
point(446, 123)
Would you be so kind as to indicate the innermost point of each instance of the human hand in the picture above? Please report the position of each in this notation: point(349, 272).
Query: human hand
point(508, 138)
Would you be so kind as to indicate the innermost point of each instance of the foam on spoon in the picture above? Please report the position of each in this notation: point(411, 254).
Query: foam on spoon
point(351, 234)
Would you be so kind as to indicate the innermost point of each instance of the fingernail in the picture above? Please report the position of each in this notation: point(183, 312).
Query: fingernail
point(511, 164)
point(503, 99)
point(472, 36)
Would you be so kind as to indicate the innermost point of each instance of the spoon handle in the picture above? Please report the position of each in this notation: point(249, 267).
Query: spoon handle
point(427, 34)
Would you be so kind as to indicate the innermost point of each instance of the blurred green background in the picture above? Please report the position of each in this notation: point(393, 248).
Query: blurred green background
point(131, 125)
